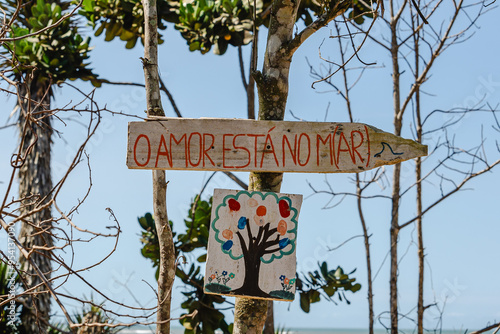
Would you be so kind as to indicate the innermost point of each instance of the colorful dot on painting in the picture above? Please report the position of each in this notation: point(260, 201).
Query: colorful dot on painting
point(284, 208)
point(259, 220)
point(228, 234)
point(242, 222)
point(282, 227)
point(252, 202)
point(283, 242)
point(234, 205)
point(227, 245)
point(261, 210)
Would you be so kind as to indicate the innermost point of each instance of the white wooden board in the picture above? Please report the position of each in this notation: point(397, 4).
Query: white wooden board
point(252, 242)
point(264, 146)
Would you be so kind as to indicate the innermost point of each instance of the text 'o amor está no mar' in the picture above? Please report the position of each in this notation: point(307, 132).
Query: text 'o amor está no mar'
point(302, 147)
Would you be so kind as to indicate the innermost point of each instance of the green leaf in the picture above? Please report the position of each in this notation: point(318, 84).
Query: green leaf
point(57, 12)
point(131, 43)
point(150, 220)
point(34, 11)
point(45, 59)
point(329, 290)
point(359, 19)
point(43, 19)
point(143, 222)
point(227, 6)
point(53, 7)
point(356, 287)
point(96, 83)
point(193, 47)
point(203, 205)
point(314, 296)
point(126, 35)
point(204, 231)
point(88, 5)
point(40, 5)
point(305, 305)
point(109, 34)
point(99, 30)
point(199, 213)
point(324, 270)
point(33, 21)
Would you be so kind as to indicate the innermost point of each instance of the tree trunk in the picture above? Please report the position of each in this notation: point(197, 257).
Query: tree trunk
point(154, 108)
point(251, 80)
point(269, 325)
point(421, 254)
point(418, 175)
point(272, 88)
point(394, 233)
point(249, 315)
point(167, 252)
point(394, 230)
point(366, 239)
point(35, 185)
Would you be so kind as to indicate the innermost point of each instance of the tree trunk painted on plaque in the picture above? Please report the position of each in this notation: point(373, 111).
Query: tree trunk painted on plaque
point(35, 185)
point(254, 251)
point(272, 87)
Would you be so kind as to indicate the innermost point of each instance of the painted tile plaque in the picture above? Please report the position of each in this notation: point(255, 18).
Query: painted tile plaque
point(251, 247)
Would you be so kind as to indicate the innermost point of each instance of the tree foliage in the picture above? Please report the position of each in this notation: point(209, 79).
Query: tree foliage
point(218, 23)
point(58, 54)
point(202, 23)
point(325, 282)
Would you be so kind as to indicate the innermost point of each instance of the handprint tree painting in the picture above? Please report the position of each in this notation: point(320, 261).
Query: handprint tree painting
point(251, 248)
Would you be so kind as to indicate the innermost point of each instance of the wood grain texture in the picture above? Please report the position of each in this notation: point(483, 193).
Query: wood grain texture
point(264, 146)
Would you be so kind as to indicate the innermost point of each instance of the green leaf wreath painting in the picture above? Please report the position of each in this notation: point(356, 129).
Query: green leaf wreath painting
point(251, 248)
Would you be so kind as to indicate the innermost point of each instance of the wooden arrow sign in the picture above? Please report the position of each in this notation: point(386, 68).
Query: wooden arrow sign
point(264, 146)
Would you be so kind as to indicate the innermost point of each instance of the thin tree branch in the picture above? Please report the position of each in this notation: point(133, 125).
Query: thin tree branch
point(445, 196)
point(497, 326)
point(242, 67)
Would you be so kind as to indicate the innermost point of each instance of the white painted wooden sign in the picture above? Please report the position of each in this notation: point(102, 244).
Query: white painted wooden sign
point(264, 146)
point(251, 246)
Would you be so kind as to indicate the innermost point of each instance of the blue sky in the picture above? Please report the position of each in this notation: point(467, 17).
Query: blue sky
point(460, 235)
